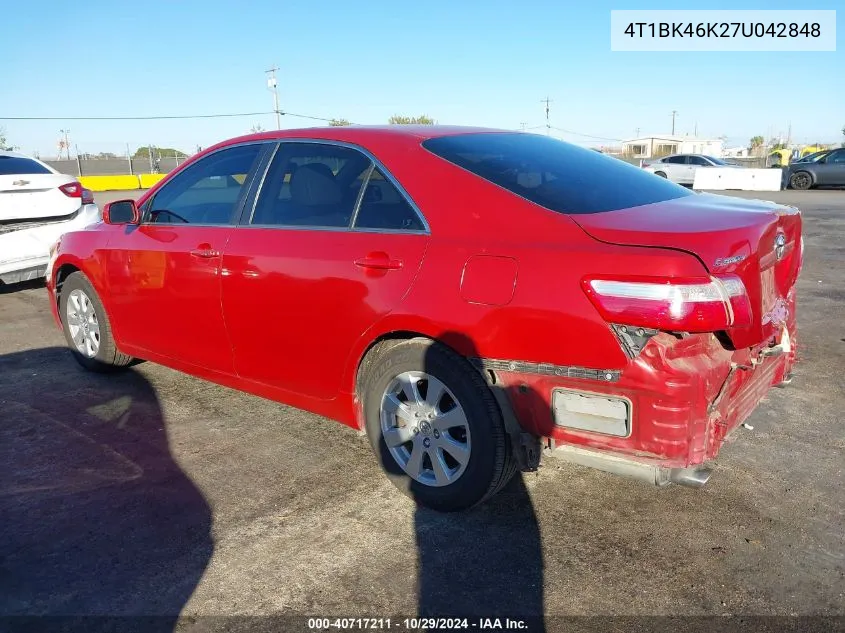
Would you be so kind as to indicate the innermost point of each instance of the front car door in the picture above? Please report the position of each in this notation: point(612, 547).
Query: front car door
point(330, 245)
point(694, 163)
point(165, 274)
point(676, 168)
point(832, 170)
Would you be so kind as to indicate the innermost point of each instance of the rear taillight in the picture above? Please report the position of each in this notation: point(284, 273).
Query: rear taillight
point(72, 190)
point(705, 304)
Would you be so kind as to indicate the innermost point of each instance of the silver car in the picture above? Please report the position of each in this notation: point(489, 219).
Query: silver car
point(681, 168)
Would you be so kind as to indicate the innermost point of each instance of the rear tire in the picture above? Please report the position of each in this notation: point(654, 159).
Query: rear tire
point(801, 180)
point(87, 328)
point(662, 174)
point(447, 447)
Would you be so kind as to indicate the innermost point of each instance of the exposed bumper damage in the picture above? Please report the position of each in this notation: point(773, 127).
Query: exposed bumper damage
point(681, 398)
point(25, 245)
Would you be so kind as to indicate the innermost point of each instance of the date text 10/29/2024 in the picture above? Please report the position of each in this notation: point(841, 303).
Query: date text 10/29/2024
point(417, 624)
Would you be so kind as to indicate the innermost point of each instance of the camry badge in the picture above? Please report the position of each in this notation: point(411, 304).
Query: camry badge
point(780, 246)
point(726, 261)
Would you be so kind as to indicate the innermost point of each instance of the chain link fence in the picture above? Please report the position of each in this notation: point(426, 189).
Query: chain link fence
point(81, 166)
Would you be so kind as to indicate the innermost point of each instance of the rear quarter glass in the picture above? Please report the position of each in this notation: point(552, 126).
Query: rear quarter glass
point(558, 176)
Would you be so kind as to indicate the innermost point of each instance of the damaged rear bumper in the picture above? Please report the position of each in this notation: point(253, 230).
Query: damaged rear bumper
point(660, 420)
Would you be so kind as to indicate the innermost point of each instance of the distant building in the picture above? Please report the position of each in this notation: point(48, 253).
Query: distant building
point(663, 145)
point(736, 152)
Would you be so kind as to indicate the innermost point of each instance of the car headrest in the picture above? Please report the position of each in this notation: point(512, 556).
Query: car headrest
point(314, 184)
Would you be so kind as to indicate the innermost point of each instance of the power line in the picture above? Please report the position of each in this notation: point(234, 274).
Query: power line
point(600, 138)
point(156, 117)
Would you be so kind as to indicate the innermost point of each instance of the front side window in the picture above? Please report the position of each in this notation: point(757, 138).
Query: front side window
point(553, 174)
point(206, 192)
point(699, 161)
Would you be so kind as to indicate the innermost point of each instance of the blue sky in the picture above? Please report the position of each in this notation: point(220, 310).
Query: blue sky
point(460, 61)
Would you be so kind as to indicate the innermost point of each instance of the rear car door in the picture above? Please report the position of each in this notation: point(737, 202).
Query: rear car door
point(164, 275)
point(331, 245)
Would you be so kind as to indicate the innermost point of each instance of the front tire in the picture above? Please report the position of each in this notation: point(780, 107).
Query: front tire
point(801, 180)
point(434, 425)
point(86, 326)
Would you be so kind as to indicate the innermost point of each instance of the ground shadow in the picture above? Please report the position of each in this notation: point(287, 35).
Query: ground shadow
point(98, 519)
point(497, 576)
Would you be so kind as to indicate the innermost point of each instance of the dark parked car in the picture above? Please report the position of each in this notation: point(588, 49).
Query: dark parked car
point(825, 168)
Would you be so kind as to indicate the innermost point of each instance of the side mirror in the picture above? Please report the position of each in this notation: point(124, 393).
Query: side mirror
point(121, 212)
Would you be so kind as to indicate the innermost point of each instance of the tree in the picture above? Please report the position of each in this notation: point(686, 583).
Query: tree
point(339, 122)
point(255, 129)
point(397, 119)
point(167, 152)
point(3, 141)
point(756, 141)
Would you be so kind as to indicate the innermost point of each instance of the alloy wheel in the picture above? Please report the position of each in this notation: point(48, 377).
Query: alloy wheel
point(82, 323)
point(425, 428)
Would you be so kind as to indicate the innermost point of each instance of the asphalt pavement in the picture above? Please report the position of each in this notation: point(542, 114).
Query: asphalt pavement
point(155, 493)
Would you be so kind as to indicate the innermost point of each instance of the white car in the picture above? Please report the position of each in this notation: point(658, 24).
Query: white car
point(681, 168)
point(37, 206)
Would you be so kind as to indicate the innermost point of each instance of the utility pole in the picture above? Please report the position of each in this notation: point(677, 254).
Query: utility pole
point(67, 142)
point(547, 101)
point(674, 114)
point(273, 87)
point(638, 133)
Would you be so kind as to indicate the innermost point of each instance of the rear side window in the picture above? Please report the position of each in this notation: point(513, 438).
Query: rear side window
point(556, 175)
point(384, 208)
point(14, 165)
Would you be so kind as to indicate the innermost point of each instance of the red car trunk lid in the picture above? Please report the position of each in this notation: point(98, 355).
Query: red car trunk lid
point(757, 240)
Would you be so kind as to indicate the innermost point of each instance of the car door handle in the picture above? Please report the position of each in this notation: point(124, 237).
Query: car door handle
point(205, 253)
point(379, 261)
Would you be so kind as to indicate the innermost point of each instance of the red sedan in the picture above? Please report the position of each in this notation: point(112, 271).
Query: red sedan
point(469, 298)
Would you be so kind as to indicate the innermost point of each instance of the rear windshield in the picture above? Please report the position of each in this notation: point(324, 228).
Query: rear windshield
point(556, 175)
point(14, 165)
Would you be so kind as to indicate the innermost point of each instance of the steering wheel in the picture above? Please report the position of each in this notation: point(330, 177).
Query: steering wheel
point(156, 212)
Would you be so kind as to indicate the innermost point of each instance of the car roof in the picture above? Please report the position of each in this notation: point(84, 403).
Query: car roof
point(364, 134)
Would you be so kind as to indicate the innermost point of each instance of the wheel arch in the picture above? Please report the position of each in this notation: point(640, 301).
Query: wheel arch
point(809, 172)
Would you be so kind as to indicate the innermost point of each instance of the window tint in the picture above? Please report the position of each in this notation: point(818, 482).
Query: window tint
point(383, 207)
point(14, 165)
point(311, 184)
point(207, 191)
point(556, 175)
point(676, 160)
point(837, 157)
point(698, 160)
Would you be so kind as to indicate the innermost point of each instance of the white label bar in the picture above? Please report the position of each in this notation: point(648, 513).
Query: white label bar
point(710, 30)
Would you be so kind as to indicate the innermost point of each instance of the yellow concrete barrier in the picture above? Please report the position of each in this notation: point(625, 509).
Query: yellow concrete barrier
point(148, 180)
point(110, 183)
